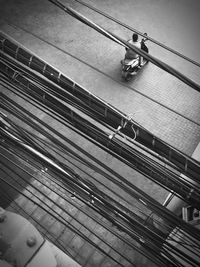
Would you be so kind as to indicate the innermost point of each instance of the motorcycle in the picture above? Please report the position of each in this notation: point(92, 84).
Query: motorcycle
point(130, 67)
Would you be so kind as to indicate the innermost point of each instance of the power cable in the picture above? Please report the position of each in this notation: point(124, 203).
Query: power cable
point(67, 98)
point(96, 69)
point(59, 206)
point(89, 129)
point(59, 193)
point(149, 202)
point(155, 140)
point(73, 112)
point(123, 214)
point(45, 232)
point(122, 197)
point(124, 43)
point(59, 218)
point(138, 32)
point(54, 203)
point(20, 116)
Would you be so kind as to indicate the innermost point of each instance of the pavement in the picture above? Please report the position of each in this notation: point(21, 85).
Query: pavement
point(159, 102)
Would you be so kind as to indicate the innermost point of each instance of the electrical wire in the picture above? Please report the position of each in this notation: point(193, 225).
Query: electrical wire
point(54, 139)
point(85, 125)
point(45, 232)
point(65, 108)
point(194, 265)
point(186, 157)
point(63, 220)
point(124, 43)
point(74, 218)
point(122, 84)
point(182, 238)
point(64, 149)
point(147, 201)
point(138, 32)
point(66, 99)
point(62, 195)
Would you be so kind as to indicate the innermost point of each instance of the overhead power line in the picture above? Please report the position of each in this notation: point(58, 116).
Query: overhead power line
point(136, 159)
point(148, 234)
point(96, 106)
point(138, 32)
point(124, 43)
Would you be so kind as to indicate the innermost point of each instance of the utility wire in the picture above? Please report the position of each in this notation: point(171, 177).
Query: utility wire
point(52, 201)
point(155, 140)
point(89, 128)
point(45, 232)
point(62, 208)
point(58, 217)
point(138, 32)
point(50, 145)
point(64, 148)
point(62, 194)
point(124, 43)
point(43, 89)
point(96, 69)
point(146, 200)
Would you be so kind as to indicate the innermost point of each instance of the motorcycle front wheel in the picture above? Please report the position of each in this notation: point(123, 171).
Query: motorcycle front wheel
point(126, 76)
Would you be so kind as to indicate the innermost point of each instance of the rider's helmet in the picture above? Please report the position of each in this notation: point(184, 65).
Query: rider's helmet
point(135, 37)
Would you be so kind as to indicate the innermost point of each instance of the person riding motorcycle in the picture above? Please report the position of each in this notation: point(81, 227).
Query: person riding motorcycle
point(133, 61)
point(130, 54)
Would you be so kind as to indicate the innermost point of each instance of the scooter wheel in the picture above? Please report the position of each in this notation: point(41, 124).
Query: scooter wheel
point(125, 76)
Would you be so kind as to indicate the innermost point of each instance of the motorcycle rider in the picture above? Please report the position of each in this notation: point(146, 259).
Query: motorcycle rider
point(130, 54)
